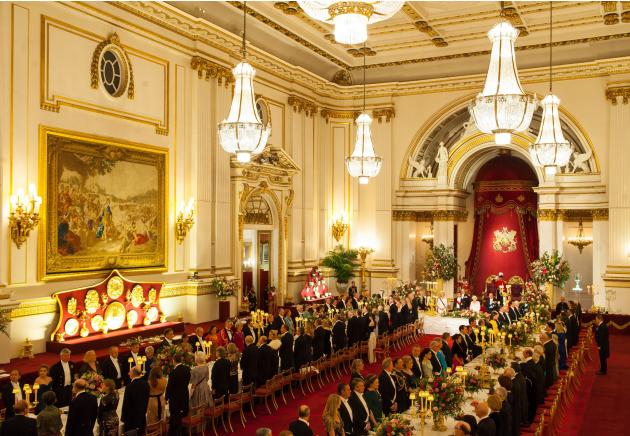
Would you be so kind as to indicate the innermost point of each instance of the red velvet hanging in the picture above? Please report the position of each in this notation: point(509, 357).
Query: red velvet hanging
point(506, 231)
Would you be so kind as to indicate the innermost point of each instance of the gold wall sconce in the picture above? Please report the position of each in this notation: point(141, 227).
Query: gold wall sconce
point(364, 252)
point(24, 214)
point(340, 226)
point(185, 220)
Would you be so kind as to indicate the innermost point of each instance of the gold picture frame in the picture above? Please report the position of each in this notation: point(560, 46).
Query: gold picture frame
point(104, 205)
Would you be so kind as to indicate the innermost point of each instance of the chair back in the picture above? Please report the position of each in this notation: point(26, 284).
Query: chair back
point(247, 389)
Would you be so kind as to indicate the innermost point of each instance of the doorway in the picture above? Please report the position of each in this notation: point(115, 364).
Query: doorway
point(258, 263)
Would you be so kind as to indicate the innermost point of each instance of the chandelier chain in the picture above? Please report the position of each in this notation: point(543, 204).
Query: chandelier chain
point(364, 77)
point(550, 47)
point(244, 28)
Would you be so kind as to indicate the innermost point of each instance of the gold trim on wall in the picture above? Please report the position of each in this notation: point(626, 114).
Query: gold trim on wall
point(614, 92)
point(429, 215)
point(300, 104)
point(114, 40)
point(387, 112)
point(208, 69)
point(573, 215)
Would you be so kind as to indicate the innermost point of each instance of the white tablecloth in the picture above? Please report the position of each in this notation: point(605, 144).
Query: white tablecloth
point(436, 325)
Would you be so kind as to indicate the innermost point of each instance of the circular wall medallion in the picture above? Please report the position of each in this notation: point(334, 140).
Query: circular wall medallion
point(92, 301)
point(132, 318)
point(137, 296)
point(152, 314)
point(115, 315)
point(113, 71)
point(71, 327)
point(97, 323)
point(115, 287)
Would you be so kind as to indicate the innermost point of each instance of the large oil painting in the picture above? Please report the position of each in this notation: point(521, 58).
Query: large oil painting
point(105, 204)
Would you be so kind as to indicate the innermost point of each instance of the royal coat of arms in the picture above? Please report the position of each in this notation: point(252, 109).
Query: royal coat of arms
point(504, 240)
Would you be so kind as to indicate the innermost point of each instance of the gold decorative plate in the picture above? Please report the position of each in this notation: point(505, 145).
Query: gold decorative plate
point(152, 295)
point(97, 323)
point(137, 296)
point(115, 315)
point(92, 301)
point(72, 327)
point(132, 317)
point(72, 306)
point(115, 287)
point(152, 314)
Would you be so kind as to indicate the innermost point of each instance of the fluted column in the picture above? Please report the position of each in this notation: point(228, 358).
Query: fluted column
point(617, 276)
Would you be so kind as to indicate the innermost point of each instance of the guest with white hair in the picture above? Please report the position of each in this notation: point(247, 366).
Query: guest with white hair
point(200, 394)
point(63, 373)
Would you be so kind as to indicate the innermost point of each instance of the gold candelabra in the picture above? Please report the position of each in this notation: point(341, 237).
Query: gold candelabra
point(484, 372)
point(363, 254)
point(27, 394)
point(258, 320)
point(24, 214)
point(339, 227)
point(185, 220)
point(422, 403)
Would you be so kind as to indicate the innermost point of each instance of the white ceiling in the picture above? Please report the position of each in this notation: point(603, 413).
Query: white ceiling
point(428, 39)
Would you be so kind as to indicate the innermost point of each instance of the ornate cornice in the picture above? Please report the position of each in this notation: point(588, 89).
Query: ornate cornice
point(300, 104)
point(344, 115)
point(387, 112)
point(429, 215)
point(614, 92)
point(572, 215)
point(209, 69)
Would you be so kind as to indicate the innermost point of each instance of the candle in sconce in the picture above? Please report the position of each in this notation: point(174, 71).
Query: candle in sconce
point(130, 360)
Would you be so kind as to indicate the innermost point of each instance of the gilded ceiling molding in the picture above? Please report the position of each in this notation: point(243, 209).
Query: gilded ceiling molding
point(429, 215)
point(614, 92)
point(548, 214)
point(289, 8)
point(510, 12)
point(340, 114)
point(573, 215)
point(625, 14)
point(387, 112)
point(358, 52)
point(209, 69)
point(300, 104)
point(420, 23)
point(609, 13)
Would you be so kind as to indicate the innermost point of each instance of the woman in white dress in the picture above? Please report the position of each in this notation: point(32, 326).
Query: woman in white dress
point(475, 305)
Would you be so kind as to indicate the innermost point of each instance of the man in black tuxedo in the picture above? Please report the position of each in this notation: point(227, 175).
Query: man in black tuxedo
point(561, 306)
point(466, 346)
point(169, 334)
point(352, 289)
point(416, 361)
point(514, 313)
point(387, 387)
point(339, 338)
point(436, 345)
point(112, 366)
point(603, 345)
point(535, 373)
point(63, 374)
point(519, 390)
point(301, 426)
point(393, 315)
point(491, 303)
point(197, 341)
point(466, 299)
point(551, 358)
point(360, 409)
point(486, 425)
point(177, 395)
point(135, 402)
point(383, 322)
point(446, 349)
point(458, 301)
point(354, 329)
point(249, 361)
point(220, 375)
point(82, 411)
point(7, 392)
point(345, 410)
point(286, 348)
point(319, 338)
point(278, 320)
point(504, 316)
point(20, 424)
point(267, 361)
point(302, 349)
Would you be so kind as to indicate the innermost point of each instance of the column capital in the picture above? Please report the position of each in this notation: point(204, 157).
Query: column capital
point(209, 69)
point(614, 92)
point(300, 104)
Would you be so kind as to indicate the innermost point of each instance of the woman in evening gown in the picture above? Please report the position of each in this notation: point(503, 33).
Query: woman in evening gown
point(200, 394)
point(157, 404)
point(106, 416)
point(45, 384)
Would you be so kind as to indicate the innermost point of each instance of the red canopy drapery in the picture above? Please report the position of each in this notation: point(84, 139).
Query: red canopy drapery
point(506, 231)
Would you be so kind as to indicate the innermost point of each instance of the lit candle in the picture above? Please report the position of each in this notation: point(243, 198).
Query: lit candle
point(130, 360)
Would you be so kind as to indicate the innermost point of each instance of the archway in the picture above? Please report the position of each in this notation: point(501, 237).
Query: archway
point(505, 235)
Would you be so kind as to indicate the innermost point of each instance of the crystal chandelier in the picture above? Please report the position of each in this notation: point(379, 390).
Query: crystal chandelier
point(580, 241)
point(350, 18)
point(243, 132)
point(502, 107)
point(363, 163)
point(550, 150)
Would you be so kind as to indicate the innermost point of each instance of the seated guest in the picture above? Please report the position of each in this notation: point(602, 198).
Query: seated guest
point(505, 412)
point(112, 367)
point(49, 419)
point(135, 402)
point(387, 387)
point(373, 399)
point(169, 334)
point(7, 392)
point(19, 423)
point(90, 364)
point(345, 410)
point(249, 362)
point(333, 424)
point(355, 369)
point(302, 350)
point(106, 415)
point(82, 412)
point(485, 426)
point(475, 305)
point(458, 351)
point(302, 427)
point(220, 374)
point(63, 374)
point(360, 410)
point(416, 361)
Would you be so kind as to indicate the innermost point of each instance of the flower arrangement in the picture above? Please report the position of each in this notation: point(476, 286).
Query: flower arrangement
point(550, 268)
point(165, 357)
point(223, 287)
point(394, 425)
point(94, 383)
point(496, 361)
point(473, 384)
point(537, 301)
point(447, 393)
point(441, 263)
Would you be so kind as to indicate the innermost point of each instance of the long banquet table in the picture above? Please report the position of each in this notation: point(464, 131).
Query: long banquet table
point(436, 324)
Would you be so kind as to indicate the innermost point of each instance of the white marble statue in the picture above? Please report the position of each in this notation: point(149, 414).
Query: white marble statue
point(580, 160)
point(442, 160)
point(420, 168)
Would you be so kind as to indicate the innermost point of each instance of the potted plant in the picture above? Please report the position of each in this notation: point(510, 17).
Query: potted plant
point(342, 261)
point(224, 290)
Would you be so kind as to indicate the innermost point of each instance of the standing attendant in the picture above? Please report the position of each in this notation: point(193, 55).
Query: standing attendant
point(177, 395)
point(82, 412)
point(63, 374)
point(135, 402)
point(601, 336)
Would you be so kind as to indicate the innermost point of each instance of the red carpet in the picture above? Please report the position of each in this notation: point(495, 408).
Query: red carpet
point(599, 404)
point(281, 418)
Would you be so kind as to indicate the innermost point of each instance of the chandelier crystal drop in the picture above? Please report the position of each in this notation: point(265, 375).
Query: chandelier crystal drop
point(363, 163)
point(242, 133)
point(350, 18)
point(502, 107)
